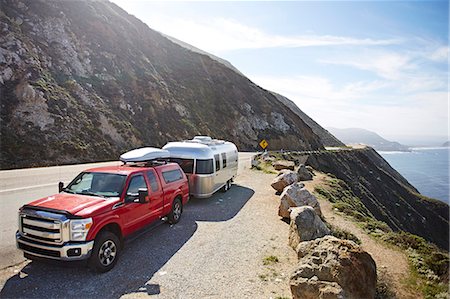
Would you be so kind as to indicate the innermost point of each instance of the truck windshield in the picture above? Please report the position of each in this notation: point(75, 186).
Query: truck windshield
point(186, 164)
point(97, 184)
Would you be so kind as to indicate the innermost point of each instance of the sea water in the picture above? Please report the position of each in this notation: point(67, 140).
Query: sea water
point(427, 169)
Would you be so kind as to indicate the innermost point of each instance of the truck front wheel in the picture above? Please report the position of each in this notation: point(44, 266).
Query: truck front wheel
point(177, 208)
point(105, 253)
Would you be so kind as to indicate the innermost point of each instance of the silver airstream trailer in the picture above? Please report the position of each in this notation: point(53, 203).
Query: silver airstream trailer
point(210, 164)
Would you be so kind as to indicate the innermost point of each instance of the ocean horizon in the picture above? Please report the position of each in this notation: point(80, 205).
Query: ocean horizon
point(426, 168)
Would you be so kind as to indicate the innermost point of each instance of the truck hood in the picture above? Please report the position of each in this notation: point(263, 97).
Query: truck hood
point(72, 203)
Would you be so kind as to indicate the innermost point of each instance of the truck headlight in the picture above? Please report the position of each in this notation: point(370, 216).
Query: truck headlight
point(79, 229)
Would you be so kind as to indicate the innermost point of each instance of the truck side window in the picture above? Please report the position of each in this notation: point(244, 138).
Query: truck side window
point(217, 158)
point(136, 182)
point(172, 175)
point(224, 160)
point(153, 182)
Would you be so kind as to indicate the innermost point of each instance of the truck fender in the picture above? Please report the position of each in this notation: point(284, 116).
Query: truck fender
point(100, 224)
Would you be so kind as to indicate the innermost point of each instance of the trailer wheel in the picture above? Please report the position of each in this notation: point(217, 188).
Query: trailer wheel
point(105, 252)
point(177, 208)
point(225, 187)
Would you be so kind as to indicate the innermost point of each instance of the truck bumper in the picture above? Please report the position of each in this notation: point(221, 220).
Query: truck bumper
point(65, 252)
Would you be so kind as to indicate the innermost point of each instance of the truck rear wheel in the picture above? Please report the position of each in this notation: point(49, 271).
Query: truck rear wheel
point(177, 208)
point(105, 253)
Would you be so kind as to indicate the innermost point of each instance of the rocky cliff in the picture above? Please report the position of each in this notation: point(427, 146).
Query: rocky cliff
point(386, 194)
point(85, 81)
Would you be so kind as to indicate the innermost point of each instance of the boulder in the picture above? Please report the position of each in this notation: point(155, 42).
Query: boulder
point(296, 195)
point(255, 163)
point(283, 164)
point(305, 226)
point(284, 179)
point(329, 267)
point(303, 173)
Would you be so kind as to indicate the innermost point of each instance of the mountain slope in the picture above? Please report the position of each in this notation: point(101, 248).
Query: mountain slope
point(356, 135)
point(83, 81)
point(326, 137)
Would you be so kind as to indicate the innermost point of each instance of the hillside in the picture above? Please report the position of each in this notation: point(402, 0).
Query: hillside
point(356, 136)
point(85, 81)
point(386, 194)
point(325, 137)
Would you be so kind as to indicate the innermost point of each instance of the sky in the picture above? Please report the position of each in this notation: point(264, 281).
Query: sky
point(377, 65)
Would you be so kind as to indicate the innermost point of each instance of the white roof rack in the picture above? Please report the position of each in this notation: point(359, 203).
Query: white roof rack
point(202, 138)
point(144, 154)
point(205, 140)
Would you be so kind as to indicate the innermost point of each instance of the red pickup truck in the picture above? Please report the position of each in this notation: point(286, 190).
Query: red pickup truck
point(89, 219)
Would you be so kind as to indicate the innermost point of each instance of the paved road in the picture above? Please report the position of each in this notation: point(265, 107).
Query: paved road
point(18, 187)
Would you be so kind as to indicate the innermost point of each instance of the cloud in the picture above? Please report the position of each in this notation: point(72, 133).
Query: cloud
point(378, 105)
point(409, 71)
point(440, 54)
point(221, 34)
point(385, 65)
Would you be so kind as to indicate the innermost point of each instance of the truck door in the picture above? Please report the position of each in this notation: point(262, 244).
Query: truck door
point(135, 214)
point(156, 195)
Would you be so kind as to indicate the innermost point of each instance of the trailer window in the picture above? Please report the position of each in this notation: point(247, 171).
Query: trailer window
point(172, 175)
point(217, 158)
point(204, 166)
point(186, 164)
point(224, 160)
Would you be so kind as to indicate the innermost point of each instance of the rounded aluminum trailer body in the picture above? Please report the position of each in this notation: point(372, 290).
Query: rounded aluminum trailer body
point(203, 181)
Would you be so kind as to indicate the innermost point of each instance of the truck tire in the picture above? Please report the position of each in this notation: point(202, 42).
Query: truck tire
point(105, 252)
point(177, 208)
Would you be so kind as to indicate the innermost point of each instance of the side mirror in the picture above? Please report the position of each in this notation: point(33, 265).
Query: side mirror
point(143, 193)
point(60, 187)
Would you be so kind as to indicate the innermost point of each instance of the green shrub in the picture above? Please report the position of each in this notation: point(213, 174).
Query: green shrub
point(343, 234)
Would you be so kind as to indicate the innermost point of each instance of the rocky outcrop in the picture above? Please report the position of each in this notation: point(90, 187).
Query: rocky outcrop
point(296, 195)
point(283, 180)
point(283, 164)
point(303, 173)
point(103, 82)
point(332, 268)
point(325, 136)
point(305, 226)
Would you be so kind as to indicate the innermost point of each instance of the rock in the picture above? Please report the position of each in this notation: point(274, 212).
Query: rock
point(268, 159)
point(305, 226)
point(332, 268)
point(296, 195)
point(283, 164)
point(303, 173)
point(315, 288)
point(310, 169)
point(284, 179)
point(255, 163)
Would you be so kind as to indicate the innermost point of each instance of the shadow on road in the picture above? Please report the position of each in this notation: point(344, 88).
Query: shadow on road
point(141, 258)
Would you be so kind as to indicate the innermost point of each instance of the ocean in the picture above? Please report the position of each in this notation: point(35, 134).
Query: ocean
point(427, 169)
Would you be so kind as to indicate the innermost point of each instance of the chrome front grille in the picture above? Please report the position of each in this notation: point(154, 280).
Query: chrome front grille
point(42, 226)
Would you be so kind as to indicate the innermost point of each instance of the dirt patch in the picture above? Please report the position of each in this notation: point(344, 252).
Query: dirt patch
point(392, 265)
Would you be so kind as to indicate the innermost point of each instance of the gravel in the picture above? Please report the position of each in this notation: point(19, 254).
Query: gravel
point(217, 250)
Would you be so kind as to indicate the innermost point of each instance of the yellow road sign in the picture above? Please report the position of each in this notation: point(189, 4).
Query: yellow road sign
point(263, 144)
